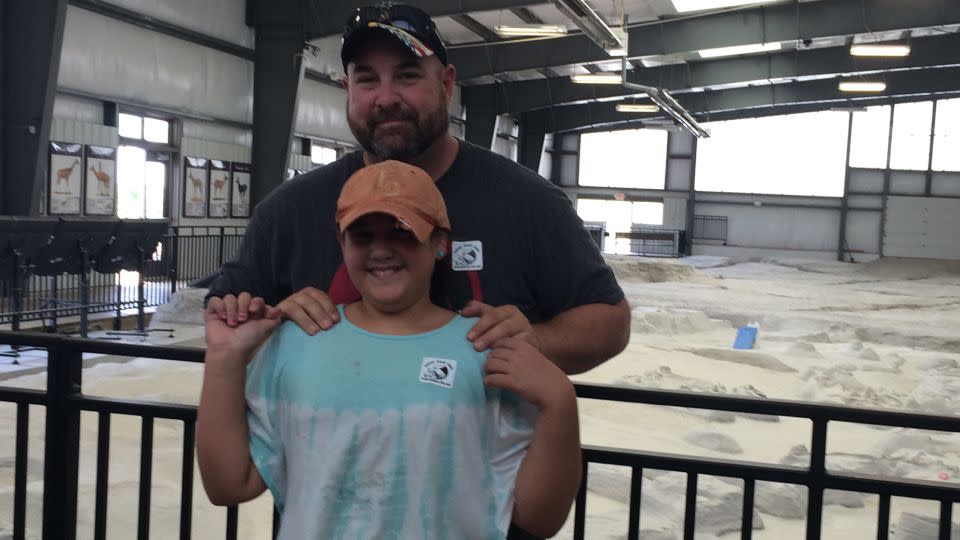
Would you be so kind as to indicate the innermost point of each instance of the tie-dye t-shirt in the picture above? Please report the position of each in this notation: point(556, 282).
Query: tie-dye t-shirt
point(362, 436)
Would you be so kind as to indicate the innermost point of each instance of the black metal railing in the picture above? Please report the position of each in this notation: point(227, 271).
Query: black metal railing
point(181, 257)
point(710, 228)
point(652, 241)
point(64, 400)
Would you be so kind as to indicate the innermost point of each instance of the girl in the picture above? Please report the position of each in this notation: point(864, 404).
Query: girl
point(390, 424)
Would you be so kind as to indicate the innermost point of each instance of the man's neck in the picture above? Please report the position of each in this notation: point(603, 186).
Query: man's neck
point(436, 159)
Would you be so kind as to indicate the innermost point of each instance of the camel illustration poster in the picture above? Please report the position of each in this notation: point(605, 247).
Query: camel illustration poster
point(101, 172)
point(240, 207)
point(219, 188)
point(66, 172)
point(195, 187)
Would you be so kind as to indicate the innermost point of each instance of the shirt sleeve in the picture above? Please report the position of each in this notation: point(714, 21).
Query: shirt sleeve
point(569, 270)
point(249, 270)
point(511, 424)
point(264, 421)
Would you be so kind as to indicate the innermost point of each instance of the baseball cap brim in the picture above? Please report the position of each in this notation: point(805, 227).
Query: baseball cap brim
point(352, 41)
point(408, 218)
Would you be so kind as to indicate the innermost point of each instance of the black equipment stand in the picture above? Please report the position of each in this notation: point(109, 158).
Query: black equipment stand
point(133, 242)
point(22, 241)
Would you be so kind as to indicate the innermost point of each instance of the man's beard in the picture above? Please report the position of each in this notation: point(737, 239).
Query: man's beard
point(402, 142)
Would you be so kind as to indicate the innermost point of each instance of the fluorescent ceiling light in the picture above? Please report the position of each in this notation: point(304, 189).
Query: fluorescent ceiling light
point(597, 78)
point(683, 6)
point(879, 50)
point(739, 49)
point(848, 109)
point(531, 30)
point(862, 86)
point(637, 107)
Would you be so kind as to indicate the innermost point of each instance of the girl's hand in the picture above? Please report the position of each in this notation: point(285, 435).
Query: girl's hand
point(517, 366)
point(241, 341)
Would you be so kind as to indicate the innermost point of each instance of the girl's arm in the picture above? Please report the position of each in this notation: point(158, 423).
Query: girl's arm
point(223, 440)
point(549, 475)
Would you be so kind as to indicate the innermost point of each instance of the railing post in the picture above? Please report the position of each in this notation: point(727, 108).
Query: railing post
point(62, 445)
point(220, 249)
point(818, 473)
point(174, 259)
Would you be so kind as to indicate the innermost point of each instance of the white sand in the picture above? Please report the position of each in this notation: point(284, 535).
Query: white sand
point(882, 334)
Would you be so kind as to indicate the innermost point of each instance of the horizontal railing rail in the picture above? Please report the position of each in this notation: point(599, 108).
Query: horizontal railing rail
point(182, 256)
point(64, 401)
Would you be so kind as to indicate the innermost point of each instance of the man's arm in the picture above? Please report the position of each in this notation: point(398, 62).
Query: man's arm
point(582, 338)
point(576, 340)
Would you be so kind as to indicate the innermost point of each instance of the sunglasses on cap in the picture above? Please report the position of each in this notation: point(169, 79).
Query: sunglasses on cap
point(413, 22)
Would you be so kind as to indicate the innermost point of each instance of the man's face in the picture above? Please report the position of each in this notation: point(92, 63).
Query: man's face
point(396, 103)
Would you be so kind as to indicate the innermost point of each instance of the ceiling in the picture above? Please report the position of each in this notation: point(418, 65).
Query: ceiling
point(531, 77)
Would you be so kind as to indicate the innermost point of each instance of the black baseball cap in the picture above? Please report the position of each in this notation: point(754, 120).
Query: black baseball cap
point(409, 25)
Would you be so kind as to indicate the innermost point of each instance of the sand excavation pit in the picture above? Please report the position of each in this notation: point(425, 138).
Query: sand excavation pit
point(821, 338)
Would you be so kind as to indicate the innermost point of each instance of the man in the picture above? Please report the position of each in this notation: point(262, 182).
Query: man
point(521, 259)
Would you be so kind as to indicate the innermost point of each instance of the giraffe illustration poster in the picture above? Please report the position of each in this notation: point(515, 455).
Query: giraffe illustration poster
point(101, 173)
point(66, 172)
point(195, 183)
point(240, 207)
point(219, 188)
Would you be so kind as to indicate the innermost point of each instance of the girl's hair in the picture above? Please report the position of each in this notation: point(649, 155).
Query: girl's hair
point(442, 280)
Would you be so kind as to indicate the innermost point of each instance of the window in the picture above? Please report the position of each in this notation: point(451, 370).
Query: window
point(798, 154)
point(321, 155)
point(868, 143)
point(156, 130)
point(619, 216)
point(131, 126)
point(946, 139)
point(625, 159)
point(910, 148)
point(144, 128)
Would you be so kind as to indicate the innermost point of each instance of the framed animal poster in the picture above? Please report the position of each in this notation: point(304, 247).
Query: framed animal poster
point(240, 200)
point(219, 189)
point(101, 170)
point(195, 183)
point(66, 172)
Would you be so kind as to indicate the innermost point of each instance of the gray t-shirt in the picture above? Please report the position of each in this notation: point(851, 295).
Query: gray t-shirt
point(516, 240)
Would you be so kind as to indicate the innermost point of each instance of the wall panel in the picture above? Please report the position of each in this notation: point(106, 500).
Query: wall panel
point(907, 182)
point(863, 231)
point(211, 131)
point(945, 183)
point(223, 19)
point(777, 228)
point(321, 112)
point(62, 130)
point(922, 227)
point(78, 109)
point(109, 58)
point(678, 173)
point(866, 180)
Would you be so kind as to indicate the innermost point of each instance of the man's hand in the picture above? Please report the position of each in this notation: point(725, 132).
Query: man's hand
point(235, 309)
point(497, 323)
point(311, 309)
point(517, 366)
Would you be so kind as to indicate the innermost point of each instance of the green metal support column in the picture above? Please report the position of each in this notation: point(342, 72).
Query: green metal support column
point(532, 133)
point(482, 116)
point(31, 32)
point(277, 72)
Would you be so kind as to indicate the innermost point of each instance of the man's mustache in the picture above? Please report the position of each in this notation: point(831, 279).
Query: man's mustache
point(391, 116)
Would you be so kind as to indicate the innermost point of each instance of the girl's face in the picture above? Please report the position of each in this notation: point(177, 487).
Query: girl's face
point(389, 267)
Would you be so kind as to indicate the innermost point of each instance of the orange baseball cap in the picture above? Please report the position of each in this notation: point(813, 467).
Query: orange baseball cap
point(401, 190)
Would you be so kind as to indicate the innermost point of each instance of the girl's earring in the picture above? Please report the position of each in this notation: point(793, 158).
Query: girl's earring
point(441, 254)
